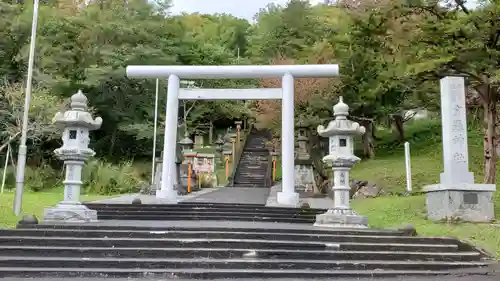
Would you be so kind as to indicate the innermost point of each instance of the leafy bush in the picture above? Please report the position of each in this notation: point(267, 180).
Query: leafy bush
point(106, 178)
point(36, 179)
point(97, 176)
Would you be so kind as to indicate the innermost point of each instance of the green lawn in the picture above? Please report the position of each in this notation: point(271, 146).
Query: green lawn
point(392, 212)
point(33, 203)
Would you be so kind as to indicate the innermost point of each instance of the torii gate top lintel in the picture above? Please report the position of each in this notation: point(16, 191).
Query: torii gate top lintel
point(232, 71)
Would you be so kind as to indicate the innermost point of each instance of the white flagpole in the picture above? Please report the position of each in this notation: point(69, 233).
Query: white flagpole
point(154, 130)
point(5, 167)
point(21, 155)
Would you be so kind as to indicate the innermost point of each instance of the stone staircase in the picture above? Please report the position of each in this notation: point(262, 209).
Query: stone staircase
point(252, 168)
point(203, 212)
point(217, 249)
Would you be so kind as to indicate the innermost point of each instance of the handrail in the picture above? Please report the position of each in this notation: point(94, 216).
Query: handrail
point(269, 172)
point(238, 152)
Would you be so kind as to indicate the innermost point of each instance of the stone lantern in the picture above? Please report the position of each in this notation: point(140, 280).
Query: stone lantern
point(341, 133)
point(186, 143)
point(302, 152)
point(220, 146)
point(76, 124)
point(304, 174)
point(238, 131)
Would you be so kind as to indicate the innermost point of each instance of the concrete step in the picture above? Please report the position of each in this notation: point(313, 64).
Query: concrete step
point(224, 253)
point(278, 216)
point(251, 177)
point(213, 249)
point(188, 206)
point(180, 211)
point(249, 183)
point(244, 183)
point(81, 242)
point(212, 273)
point(209, 228)
point(232, 263)
point(224, 234)
point(188, 217)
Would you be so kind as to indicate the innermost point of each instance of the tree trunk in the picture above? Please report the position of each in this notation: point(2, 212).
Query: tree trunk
point(497, 134)
point(318, 166)
point(490, 118)
point(368, 141)
point(113, 142)
point(397, 125)
point(211, 133)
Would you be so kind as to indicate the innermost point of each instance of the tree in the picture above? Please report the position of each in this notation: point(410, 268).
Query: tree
point(452, 39)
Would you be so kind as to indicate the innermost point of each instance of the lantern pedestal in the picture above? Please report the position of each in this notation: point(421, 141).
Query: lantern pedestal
point(70, 212)
point(345, 218)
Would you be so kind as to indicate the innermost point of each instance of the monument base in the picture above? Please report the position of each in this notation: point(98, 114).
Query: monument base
point(289, 199)
point(149, 189)
point(167, 196)
point(341, 218)
point(70, 212)
point(465, 202)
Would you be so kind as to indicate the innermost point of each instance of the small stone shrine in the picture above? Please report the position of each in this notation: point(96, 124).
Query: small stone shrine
point(341, 158)
point(456, 196)
point(76, 124)
point(198, 141)
point(304, 174)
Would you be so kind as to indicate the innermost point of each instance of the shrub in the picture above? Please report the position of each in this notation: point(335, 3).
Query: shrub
point(36, 179)
point(106, 178)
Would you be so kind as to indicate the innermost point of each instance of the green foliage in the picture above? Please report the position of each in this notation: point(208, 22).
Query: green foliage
point(388, 168)
point(390, 58)
point(106, 178)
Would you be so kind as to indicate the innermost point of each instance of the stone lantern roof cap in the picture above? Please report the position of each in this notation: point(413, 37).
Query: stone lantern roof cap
point(341, 109)
point(186, 140)
point(301, 124)
point(341, 125)
point(79, 101)
point(78, 115)
point(219, 140)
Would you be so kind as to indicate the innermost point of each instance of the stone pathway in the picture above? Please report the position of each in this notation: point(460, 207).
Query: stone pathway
point(151, 199)
point(240, 195)
point(316, 203)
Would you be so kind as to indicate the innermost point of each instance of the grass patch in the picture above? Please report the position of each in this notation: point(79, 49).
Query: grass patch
point(33, 203)
point(388, 168)
point(392, 212)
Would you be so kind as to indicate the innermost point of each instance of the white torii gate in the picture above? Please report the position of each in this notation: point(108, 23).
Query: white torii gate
point(287, 196)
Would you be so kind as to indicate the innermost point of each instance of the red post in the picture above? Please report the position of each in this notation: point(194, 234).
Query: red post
point(189, 177)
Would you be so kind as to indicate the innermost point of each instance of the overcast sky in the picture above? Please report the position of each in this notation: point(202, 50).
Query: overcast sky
point(239, 8)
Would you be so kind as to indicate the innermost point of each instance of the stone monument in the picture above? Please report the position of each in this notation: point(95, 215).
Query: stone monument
point(456, 196)
point(341, 132)
point(304, 174)
point(76, 124)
